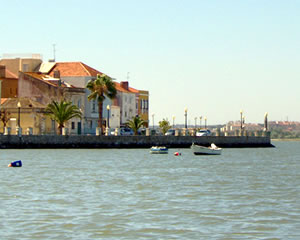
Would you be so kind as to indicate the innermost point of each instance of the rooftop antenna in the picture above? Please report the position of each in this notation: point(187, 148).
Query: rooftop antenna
point(54, 51)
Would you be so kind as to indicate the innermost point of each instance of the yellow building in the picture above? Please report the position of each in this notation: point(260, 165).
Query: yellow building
point(25, 112)
point(44, 89)
point(144, 106)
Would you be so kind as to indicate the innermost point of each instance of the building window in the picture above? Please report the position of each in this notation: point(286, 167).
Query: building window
point(25, 67)
point(73, 125)
point(93, 106)
point(91, 124)
point(79, 103)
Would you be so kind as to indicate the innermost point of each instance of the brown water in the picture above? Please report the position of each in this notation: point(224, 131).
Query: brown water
point(131, 194)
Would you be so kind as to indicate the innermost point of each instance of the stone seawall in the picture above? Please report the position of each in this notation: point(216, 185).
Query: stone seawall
point(52, 141)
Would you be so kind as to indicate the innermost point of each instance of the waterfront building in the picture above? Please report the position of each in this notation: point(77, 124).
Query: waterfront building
point(79, 74)
point(44, 89)
point(142, 104)
point(31, 116)
point(126, 100)
point(8, 83)
point(122, 108)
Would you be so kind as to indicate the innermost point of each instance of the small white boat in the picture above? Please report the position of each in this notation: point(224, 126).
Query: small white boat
point(200, 150)
point(158, 150)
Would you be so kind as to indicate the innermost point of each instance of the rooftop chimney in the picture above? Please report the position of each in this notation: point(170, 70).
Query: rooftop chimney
point(124, 85)
point(56, 74)
point(2, 71)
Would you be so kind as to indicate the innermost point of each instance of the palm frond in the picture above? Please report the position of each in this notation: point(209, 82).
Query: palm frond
point(62, 111)
point(135, 124)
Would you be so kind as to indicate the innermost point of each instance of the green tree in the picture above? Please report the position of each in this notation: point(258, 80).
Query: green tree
point(61, 112)
point(135, 124)
point(101, 87)
point(164, 126)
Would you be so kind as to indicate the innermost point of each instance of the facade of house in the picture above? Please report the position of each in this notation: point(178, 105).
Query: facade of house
point(44, 89)
point(142, 104)
point(79, 74)
point(30, 114)
point(126, 100)
point(8, 83)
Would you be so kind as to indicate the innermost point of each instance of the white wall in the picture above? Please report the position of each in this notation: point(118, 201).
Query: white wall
point(128, 106)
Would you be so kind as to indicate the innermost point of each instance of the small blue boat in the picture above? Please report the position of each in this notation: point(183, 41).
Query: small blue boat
point(159, 150)
point(15, 164)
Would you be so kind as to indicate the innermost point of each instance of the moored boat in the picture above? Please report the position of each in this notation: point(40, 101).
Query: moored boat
point(159, 150)
point(201, 150)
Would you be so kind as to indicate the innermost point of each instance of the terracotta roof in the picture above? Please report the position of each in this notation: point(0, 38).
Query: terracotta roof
point(48, 79)
point(120, 89)
point(25, 103)
point(74, 69)
point(133, 90)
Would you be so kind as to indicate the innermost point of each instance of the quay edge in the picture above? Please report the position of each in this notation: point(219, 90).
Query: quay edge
point(82, 141)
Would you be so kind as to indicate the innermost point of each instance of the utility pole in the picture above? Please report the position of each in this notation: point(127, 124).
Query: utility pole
point(54, 51)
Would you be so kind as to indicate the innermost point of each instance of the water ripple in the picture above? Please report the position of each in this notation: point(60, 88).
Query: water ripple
point(130, 194)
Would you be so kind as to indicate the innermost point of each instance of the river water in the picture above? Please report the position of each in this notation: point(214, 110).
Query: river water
point(250, 193)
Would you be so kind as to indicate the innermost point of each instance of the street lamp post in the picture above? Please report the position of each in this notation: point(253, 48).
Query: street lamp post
point(153, 120)
point(19, 114)
point(205, 120)
point(173, 121)
point(241, 112)
point(195, 122)
point(185, 114)
point(108, 108)
point(200, 121)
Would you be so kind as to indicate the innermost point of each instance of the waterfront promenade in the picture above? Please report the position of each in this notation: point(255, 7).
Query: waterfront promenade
point(82, 141)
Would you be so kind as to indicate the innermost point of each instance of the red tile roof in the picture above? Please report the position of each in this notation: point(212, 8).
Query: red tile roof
point(47, 79)
point(74, 69)
point(133, 90)
point(119, 88)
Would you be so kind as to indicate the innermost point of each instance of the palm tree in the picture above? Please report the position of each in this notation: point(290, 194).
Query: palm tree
point(100, 88)
point(135, 124)
point(62, 112)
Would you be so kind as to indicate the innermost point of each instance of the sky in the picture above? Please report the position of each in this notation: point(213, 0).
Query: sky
point(213, 58)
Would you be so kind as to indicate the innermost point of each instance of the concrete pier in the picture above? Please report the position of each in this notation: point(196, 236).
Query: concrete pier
point(77, 141)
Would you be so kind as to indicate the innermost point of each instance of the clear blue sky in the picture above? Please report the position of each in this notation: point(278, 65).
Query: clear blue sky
point(213, 57)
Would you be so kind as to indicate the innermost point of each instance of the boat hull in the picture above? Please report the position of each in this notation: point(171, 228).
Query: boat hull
point(159, 150)
point(200, 150)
